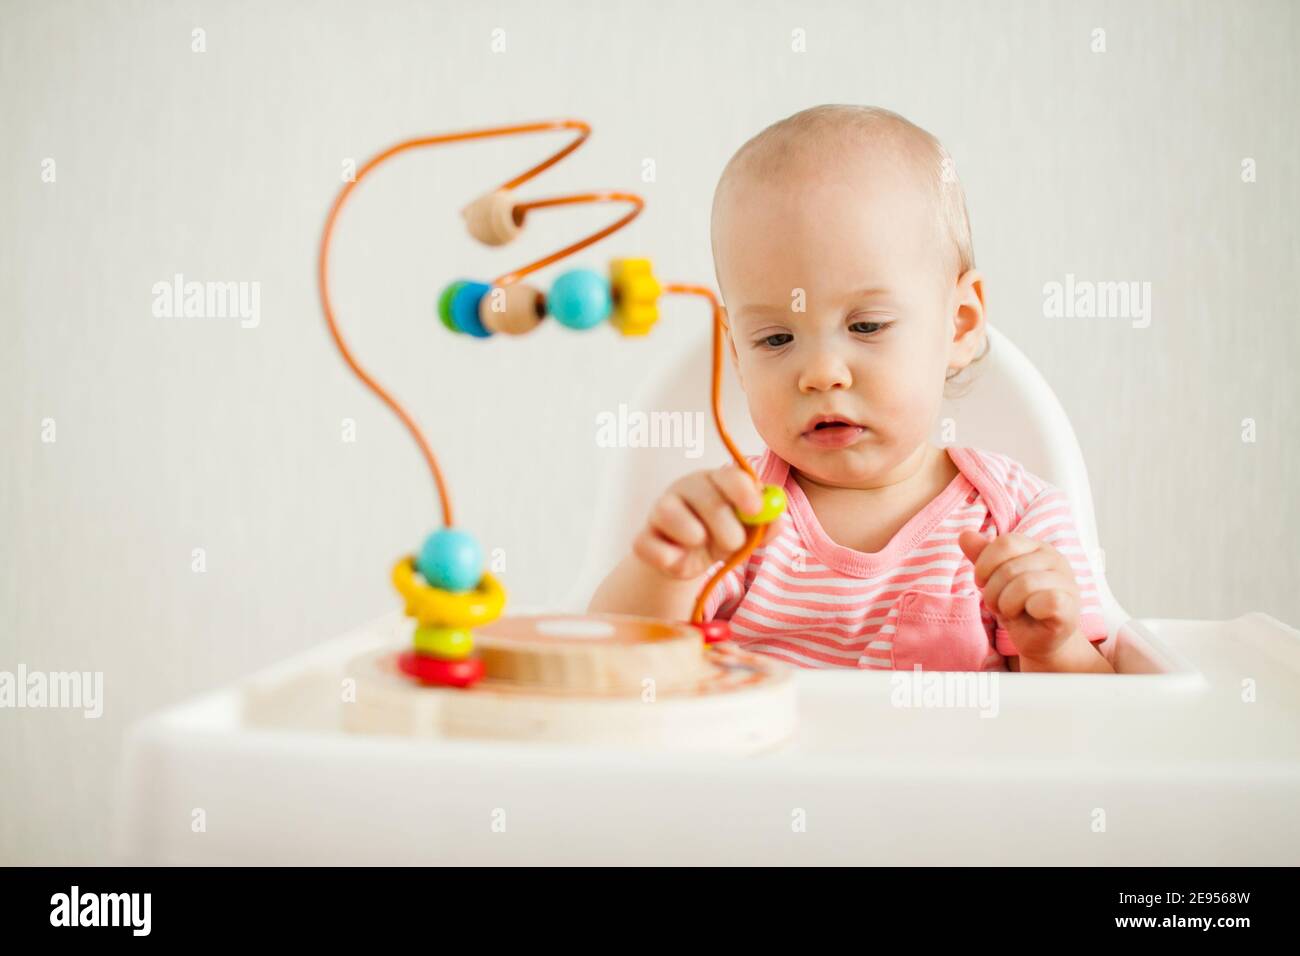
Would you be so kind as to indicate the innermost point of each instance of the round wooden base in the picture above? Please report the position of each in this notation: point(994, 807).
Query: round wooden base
point(595, 679)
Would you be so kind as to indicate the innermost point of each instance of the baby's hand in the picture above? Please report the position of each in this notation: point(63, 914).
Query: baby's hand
point(1029, 585)
point(694, 523)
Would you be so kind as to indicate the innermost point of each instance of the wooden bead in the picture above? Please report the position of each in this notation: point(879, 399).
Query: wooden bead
point(491, 218)
point(514, 309)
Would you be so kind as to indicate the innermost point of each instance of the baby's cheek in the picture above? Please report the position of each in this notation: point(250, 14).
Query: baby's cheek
point(897, 398)
point(906, 415)
point(768, 415)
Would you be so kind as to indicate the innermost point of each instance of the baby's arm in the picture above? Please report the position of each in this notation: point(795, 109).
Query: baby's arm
point(634, 587)
point(693, 525)
point(1077, 656)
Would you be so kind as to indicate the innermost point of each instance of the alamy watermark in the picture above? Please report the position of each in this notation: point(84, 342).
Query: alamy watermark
point(75, 908)
point(82, 690)
point(959, 689)
point(1086, 299)
point(179, 299)
point(637, 429)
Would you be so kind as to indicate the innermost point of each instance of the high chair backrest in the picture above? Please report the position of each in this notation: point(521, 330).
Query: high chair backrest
point(1007, 407)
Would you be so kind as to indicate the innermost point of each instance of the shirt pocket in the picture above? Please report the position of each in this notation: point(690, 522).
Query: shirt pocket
point(940, 632)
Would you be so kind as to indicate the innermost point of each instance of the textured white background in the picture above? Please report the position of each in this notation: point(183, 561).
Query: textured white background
point(177, 434)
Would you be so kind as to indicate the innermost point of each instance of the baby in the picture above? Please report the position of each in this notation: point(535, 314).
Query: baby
point(843, 254)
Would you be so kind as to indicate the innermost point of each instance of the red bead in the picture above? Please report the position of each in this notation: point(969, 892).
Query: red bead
point(435, 670)
point(714, 631)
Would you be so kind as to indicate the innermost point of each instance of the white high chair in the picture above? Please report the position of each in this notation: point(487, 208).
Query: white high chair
point(1188, 756)
point(1008, 408)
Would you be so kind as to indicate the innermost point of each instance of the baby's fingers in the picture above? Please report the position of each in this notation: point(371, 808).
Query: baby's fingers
point(1011, 569)
point(673, 518)
point(658, 553)
point(726, 533)
point(1046, 587)
point(1052, 605)
point(740, 490)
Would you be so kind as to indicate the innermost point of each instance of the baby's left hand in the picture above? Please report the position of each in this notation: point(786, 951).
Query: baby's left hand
point(1029, 585)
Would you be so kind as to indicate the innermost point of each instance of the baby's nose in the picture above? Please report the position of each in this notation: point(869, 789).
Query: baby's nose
point(825, 370)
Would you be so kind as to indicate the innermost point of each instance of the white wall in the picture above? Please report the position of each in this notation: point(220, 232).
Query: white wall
point(180, 434)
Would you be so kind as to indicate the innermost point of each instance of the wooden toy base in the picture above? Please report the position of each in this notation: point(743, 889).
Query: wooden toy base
point(595, 679)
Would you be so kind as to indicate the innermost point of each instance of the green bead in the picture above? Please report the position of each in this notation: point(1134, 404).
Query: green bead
point(444, 305)
point(773, 506)
point(447, 643)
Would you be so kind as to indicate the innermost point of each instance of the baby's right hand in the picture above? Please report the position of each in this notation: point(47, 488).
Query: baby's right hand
point(694, 523)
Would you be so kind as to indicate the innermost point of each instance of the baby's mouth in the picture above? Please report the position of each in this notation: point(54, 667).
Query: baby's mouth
point(834, 433)
point(827, 422)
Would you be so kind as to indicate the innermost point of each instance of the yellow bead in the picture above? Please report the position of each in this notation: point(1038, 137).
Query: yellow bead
point(638, 320)
point(642, 288)
point(432, 607)
point(514, 309)
point(773, 506)
point(636, 296)
point(491, 218)
point(448, 643)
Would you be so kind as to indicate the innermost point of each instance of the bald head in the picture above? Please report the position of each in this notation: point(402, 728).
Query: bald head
point(821, 143)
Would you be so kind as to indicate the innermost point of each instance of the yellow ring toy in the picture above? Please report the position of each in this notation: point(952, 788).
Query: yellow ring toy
point(432, 607)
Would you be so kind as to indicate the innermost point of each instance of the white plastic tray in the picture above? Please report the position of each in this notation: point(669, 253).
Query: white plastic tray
point(1174, 767)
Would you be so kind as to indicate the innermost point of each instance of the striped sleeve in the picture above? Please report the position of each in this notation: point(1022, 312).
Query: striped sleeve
point(725, 597)
point(1046, 516)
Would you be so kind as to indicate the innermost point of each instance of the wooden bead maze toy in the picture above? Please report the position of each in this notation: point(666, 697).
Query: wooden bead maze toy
point(468, 671)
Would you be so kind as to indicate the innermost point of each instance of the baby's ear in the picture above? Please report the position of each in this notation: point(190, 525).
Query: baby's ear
point(968, 319)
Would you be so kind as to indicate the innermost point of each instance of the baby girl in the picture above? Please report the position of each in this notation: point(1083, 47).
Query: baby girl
point(843, 254)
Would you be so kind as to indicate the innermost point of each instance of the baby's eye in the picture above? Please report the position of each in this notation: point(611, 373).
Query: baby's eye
point(868, 328)
point(776, 341)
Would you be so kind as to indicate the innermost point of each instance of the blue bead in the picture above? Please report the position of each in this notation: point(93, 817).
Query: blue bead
point(451, 560)
point(579, 299)
point(464, 309)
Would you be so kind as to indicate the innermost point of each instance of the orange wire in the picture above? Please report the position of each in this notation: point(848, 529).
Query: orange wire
point(755, 534)
point(520, 209)
point(583, 131)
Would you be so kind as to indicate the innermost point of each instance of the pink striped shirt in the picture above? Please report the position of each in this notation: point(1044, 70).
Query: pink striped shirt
point(809, 601)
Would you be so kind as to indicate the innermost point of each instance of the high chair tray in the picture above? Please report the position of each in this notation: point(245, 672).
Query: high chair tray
point(1194, 763)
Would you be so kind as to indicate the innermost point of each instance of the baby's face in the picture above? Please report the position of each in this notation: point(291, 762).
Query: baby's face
point(870, 339)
